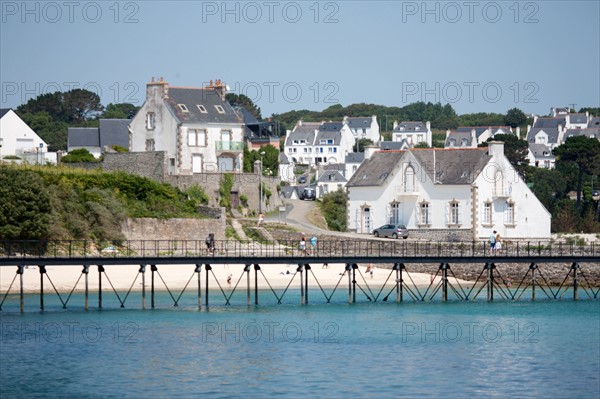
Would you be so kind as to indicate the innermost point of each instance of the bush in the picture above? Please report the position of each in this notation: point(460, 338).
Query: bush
point(333, 208)
point(79, 155)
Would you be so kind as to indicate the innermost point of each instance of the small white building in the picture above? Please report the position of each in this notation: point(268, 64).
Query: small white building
point(17, 139)
point(412, 133)
point(435, 192)
point(363, 127)
point(197, 128)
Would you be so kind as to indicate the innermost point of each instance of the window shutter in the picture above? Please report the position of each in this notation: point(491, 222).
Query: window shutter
point(357, 221)
point(506, 209)
point(460, 214)
point(418, 213)
point(447, 213)
point(388, 217)
point(429, 220)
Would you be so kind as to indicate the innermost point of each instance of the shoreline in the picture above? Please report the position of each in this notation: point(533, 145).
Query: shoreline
point(126, 277)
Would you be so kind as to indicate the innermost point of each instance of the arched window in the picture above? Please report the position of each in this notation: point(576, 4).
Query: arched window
point(409, 179)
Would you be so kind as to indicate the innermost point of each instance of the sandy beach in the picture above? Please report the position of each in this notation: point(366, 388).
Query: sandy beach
point(176, 277)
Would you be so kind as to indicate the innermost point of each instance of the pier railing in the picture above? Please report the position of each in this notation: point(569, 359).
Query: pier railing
point(324, 248)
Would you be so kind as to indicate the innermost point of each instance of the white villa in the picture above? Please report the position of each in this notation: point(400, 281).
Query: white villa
point(363, 128)
point(412, 133)
point(17, 139)
point(196, 127)
point(435, 192)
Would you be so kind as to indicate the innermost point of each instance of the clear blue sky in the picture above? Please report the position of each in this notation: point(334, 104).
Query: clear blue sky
point(479, 56)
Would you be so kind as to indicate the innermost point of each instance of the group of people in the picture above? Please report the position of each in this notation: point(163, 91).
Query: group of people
point(313, 245)
point(495, 243)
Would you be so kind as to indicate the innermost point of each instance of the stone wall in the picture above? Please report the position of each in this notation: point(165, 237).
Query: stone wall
point(174, 229)
point(146, 164)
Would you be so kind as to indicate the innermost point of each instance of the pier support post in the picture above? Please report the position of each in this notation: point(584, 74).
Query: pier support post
point(256, 269)
point(86, 271)
point(399, 281)
point(301, 271)
point(198, 270)
point(307, 268)
point(152, 269)
point(348, 269)
point(42, 272)
point(20, 271)
point(100, 271)
point(444, 269)
point(574, 267)
point(533, 267)
point(354, 267)
point(143, 272)
point(247, 270)
point(208, 268)
point(490, 281)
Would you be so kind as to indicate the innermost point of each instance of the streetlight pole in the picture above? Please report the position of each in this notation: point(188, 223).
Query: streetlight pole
point(262, 153)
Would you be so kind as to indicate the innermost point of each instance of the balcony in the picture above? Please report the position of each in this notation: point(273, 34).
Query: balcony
point(505, 192)
point(406, 191)
point(229, 146)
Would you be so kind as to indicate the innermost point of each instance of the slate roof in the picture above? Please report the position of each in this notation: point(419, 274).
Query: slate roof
point(458, 137)
point(355, 157)
point(334, 166)
point(306, 131)
point(452, 166)
point(593, 132)
point(594, 122)
point(392, 145)
point(4, 111)
point(541, 150)
point(549, 122)
point(329, 176)
point(376, 170)
point(404, 127)
point(288, 191)
point(283, 159)
point(578, 118)
point(209, 98)
point(331, 127)
point(329, 133)
point(551, 132)
point(467, 129)
point(83, 137)
point(359, 123)
point(114, 132)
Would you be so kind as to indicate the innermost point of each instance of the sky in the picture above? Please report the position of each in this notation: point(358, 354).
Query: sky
point(478, 56)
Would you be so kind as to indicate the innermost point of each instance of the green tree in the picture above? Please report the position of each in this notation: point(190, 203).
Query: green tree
point(79, 155)
point(333, 206)
point(362, 143)
point(25, 206)
point(515, 117)
point(80, 105)
point(585, 152)
point(244, 101)
point(270, 160)
point(119, 111)
point(53, 132)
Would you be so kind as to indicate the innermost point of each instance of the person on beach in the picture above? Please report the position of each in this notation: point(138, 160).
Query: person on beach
point(370, 268)
point(261, 218)
point(493, 242)
point(498, 245)
point(229, 280)
point(325, 266)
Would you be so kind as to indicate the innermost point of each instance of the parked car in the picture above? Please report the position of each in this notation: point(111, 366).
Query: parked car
point(595, 194)
point(391, 230)
point(302, 179)
point(308, 193)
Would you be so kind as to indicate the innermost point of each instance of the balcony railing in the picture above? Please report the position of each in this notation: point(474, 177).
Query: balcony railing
point(229, 146)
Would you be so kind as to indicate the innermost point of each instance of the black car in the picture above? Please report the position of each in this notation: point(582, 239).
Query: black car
point(308, 193)
point(302, 179)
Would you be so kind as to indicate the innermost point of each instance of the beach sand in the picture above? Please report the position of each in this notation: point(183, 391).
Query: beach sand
point(177, 276)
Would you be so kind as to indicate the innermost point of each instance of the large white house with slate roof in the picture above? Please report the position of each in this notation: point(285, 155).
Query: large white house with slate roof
point(299, 142)
point(363, 128)
point(18, 139)
point(436, 192)
point(412, 133)
point(314, 143)
point(471, 136)
point(197, 128)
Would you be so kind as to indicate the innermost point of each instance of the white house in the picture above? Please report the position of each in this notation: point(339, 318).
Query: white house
point(18, 139)
point(471, 136)
point(299, 142)
point(333, 141)
point(197, 128)
point(435, 192)
point(412, 133)
point(363, 128)
point(330, 181)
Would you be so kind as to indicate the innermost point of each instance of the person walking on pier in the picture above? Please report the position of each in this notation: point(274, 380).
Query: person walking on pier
point(498, 246)
point(493, 243)
point(302, 246)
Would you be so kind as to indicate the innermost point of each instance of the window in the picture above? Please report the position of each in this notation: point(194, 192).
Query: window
point(486, 217)
point(452, 143)
point(335, 149)
point(150, 145)
point(419, 138)
point(409, 180)
point(509, 215)
point(183, 108)
point(454, 213)
point(196, 138)
point(424, 217)
point(463, 142)
point(202, 108)
point(329, 141)
point(219, 109)
point(150, 120)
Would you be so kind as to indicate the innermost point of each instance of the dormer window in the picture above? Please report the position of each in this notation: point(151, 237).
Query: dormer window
point(219, 109)
point(417, 128)
point(183, 108)
point(202, 108)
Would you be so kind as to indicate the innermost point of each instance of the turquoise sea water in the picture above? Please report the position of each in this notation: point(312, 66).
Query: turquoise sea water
point(545, 349)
